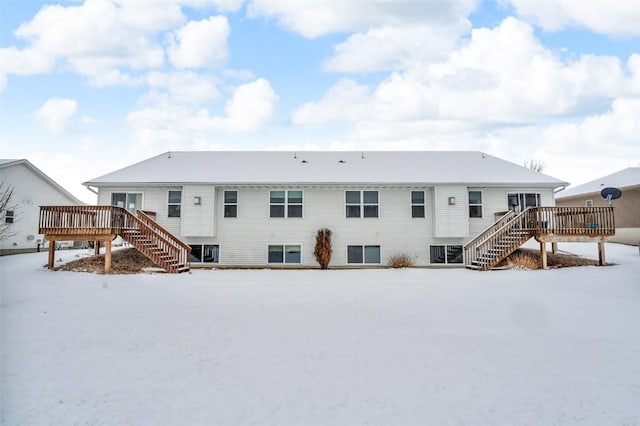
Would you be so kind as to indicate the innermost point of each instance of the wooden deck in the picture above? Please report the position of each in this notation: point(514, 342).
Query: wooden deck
point(546, 225)
point(104, 224)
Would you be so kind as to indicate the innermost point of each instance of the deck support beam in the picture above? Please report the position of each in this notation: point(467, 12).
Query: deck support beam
point(601, 257)
point(52, 254)
point(554, 248)
point(543, 255)
point(107, 257)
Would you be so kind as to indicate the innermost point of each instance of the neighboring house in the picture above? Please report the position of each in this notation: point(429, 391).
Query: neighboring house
point(31, 189)
point(626, 208)
point(264, 208)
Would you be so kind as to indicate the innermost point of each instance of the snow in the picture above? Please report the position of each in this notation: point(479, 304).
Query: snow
point(326, 168)
point(339, 347)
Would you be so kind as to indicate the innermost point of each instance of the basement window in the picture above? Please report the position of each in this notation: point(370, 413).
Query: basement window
point(205, 253)
point(446, 254)
point(363, 254)
point(287, 254)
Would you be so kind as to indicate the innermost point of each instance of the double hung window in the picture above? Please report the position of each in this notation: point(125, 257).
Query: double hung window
point(361, 203)
point(285, 204)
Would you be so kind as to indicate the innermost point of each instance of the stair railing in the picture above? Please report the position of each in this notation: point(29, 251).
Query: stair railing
point(470, 247)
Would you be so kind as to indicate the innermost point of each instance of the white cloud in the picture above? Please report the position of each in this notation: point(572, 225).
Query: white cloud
point(200, 44)
point(613, 17)
point(55, 113)
point(314, 18)
point(185, 87)
point(500, 75)
point(387, 48)
point(163, 123)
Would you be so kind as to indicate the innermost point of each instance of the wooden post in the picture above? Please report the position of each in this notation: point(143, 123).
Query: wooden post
point(543, 255)
point(107, 257)
point(96, 247)
point(601, 259)
point(554, 248)
point(52, 254)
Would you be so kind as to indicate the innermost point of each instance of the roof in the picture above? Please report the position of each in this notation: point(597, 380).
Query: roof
point(5, 163)
point(622, 179)
point(326, 167)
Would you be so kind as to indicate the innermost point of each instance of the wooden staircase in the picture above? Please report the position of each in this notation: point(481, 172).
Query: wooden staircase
point(545, 224)
point(104, 223)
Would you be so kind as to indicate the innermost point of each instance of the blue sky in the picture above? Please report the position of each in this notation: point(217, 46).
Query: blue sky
point(87, 87)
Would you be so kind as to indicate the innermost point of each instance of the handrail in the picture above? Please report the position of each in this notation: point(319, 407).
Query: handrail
point(145, 217)
point(492, 228)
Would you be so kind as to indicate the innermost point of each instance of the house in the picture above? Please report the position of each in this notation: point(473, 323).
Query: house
point(31, 189)
point(626, 208)
point(264, 208)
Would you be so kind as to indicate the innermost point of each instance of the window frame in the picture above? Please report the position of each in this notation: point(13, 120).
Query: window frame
point(480, 204)
point(286, 204)
point(522, 200)
point(363, 248)
point(284, 254)
point(169, 204)
point(202, 252)
point(9, 216)
point(362, 204)
point(423, 204)
point(588, 203)
point(126, 199)
point(225, 203)
point(446, 248)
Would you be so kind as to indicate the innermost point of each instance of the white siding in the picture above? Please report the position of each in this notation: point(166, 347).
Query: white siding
point(30, 191)
point(198, 220)
point(451, 221)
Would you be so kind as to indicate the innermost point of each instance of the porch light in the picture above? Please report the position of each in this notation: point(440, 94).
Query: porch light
point(197, 201)
point(452, 201)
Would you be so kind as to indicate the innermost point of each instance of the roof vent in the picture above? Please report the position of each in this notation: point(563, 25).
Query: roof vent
point(341, 161)
point(304, 161)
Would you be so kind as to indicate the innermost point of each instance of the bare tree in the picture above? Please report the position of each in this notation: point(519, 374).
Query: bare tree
point(535, 165)
point(7, 210)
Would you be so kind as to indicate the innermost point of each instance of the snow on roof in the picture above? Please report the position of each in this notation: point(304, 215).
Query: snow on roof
point(326, 167)
point(622, 179)
point(14, 162)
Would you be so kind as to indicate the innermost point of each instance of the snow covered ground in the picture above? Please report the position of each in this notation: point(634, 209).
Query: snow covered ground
point(374, 347)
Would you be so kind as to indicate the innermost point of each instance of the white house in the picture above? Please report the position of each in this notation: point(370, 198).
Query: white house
point(264, 208)
point(31, 189)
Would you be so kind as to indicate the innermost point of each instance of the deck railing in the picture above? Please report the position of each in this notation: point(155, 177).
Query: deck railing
point(142, 232)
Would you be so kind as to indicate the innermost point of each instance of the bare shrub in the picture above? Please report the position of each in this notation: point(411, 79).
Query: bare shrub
point(522, 261)
point(323, 250)
point(400, 261)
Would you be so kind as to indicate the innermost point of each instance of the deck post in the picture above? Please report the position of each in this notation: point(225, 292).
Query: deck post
point(107, 257)
point(52, 254)
point(543, 255)
point(554, 248)
point(601, 258)
point(96, 247)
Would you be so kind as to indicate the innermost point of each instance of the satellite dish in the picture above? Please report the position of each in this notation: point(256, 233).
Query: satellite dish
point(611, 194)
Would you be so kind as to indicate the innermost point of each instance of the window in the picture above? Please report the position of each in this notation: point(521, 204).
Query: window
point(475, 203)
point(174, 202)
point(446, 254)
point(520, 202)
point(363, 254)
point(9, 216)
point(131, 201)
point(230, 203)
point(361, 203)
point(285, 204)
point(284, 254)
point(206, 253)
point(588, 203)
point(417, 203)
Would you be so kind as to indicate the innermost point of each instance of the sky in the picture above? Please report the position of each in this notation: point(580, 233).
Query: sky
point(88, 87)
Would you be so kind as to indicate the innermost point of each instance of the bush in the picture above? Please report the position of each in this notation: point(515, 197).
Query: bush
point(522, 261)
point(323, 249)
point(400, 261)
